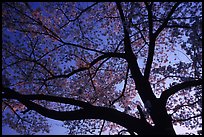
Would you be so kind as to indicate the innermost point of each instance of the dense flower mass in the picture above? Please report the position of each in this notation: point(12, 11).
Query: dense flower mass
point(102, 67)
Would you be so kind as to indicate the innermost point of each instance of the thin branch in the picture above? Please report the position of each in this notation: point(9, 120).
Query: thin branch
point(120, 132)
point(16, 112)
point(36, 32)
point(178, 26)
point(141, 34)
point(33, 49)
point(124, 87)
point(106, 59)
point(141, 112)
point(179, 107)
point(186, 119)
point(98, 68)
point(91, 78)
point(54, 35)
point(9, 65)
point(15, 49)
point(120, 55)
point(54, 49)
point(79, 46)
point(102, 127)
point(184, 55)
point(172, 90)
point(190, 17)
point(43, 66)
point(78, 15)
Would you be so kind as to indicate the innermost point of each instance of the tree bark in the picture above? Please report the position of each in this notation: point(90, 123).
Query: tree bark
point(133, 124)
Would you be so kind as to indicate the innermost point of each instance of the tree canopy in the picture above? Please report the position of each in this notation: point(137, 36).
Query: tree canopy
point(102, 67)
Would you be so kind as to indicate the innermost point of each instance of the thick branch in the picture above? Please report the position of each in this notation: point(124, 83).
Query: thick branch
point(166, 94)
point(151, 42)
point(11, 94)
point(143, 86)
point(150, 21)
point(130, 57)
point(149, 58)
point(127, 43)
point(152, 36)
point(109, 114)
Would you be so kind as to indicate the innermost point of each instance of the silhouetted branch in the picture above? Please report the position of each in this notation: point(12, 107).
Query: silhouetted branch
point(172, 90)
point(102, 127)
point(84, 10)
point(119, 55)
point(16, 113)
point(141, 112)
point(186, 119)
point(89, 111)
point(178, 26)
point(167, 19)
point(151, 42)
point(180, 106)
point(11, 94)
point(124, 87)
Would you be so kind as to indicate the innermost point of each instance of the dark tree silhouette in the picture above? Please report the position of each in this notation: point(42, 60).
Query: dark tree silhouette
point(102, 67)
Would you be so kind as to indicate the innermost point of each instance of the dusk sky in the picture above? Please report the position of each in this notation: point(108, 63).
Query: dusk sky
point(66, 57)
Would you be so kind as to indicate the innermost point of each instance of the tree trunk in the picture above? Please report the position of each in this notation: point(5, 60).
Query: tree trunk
point(162, 121)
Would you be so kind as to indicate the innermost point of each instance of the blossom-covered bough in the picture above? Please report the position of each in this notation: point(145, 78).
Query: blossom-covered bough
point(102, 67)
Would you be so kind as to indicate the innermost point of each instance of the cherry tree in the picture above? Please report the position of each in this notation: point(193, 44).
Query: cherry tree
point(102, 67)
